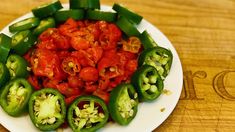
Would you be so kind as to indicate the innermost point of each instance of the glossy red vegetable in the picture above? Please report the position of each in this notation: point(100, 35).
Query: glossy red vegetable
point(82, 57)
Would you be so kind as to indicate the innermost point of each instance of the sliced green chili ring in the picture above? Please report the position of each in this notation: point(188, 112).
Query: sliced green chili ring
point(158, 57)
point(47, 109)
point(123, 104)
point(147, 41)
point(44, 25)
point(76, 14)
point(84, 4)
point(148, 83)
point(87, 114)
point(4, 74)
point(25, 24)
point(47, 9)
point(101, 15)
point(17, 66)
point(127, 27)
point(22, 42)
point(122, 11)
point(5, 46)
point(15, 96)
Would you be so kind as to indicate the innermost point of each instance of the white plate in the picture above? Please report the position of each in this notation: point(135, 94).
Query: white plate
point(149, 115)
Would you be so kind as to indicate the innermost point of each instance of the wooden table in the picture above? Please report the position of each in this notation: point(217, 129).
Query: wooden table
point(203, 33)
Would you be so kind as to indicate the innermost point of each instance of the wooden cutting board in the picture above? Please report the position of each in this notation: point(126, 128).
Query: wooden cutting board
point(203, 33)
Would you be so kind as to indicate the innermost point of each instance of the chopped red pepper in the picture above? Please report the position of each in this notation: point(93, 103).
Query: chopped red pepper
point(89, 74)
point(71, 65)
point(83, 57)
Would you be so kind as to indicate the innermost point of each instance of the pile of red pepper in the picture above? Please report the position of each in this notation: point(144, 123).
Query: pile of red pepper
point(83, 57)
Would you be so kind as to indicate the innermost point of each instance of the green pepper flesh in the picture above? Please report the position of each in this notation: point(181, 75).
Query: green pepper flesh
point(123, 104)
point(5, 46)
point(47, 109)
point(87, 113)
point(47, 9)
point(148, 83)
point(84, 4)
point(23, 41)
point(15, 95)
point(4, 74)
point(158, 57)
point(24, 24)
point(17, 66)
point(44, 24)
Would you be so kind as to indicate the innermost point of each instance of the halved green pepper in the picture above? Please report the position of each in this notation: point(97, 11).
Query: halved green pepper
point(47, 109)
point(44, 24)
point(4, 74)
point(148, 83)
point(87, 114)
point(158, 57)
point(5, 46)
point(123, 104)
point(15, 95)
point(24, 24)
point(22, 42)
point(17, 66)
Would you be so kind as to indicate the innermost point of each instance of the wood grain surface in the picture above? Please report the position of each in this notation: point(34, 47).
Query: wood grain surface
point(203, 33)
